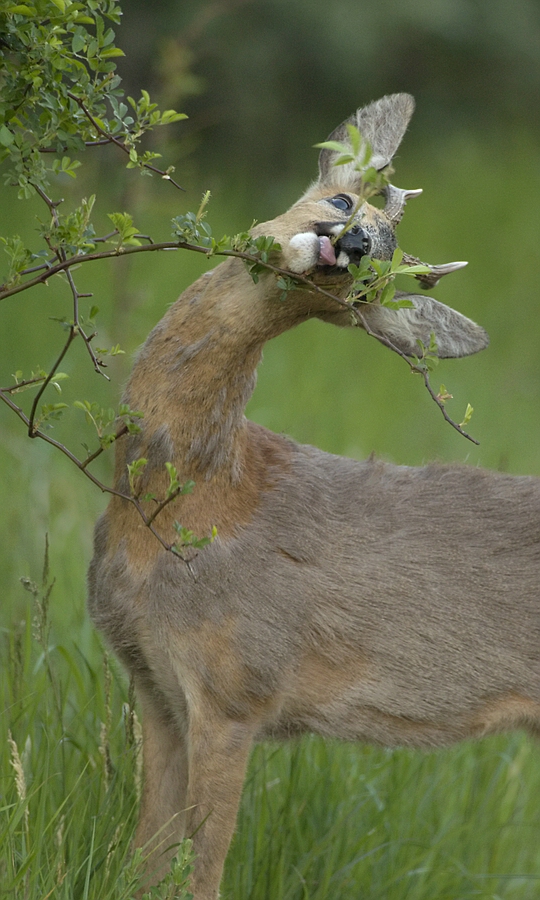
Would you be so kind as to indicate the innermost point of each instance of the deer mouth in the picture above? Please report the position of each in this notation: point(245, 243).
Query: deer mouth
point(349, 248)
point(327, 254)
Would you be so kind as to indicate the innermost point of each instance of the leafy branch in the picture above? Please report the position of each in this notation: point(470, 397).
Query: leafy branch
point(371, 282)
point(59, 95)
point(148, 116)
point(60, 91)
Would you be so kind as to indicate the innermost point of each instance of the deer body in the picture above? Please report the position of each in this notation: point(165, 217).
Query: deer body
point(358, 600)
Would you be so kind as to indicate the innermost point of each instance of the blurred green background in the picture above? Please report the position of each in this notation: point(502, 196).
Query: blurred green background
point(262, 81)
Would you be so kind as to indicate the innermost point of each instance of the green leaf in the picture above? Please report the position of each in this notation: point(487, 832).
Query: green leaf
point(6, 136)
point(468, 415)
point(354, 137)
point(370, 175)
point(78, 42)
point(170, 115)
point(387, 294)
point(412, 270)
point(400, 304)
point(334, 145)
point(22, 10)
point(59, 376)
point(362, 269)
point(113, 51)
point(135, 470)
point(49, 408)
point(344, 159)
point(397, 256)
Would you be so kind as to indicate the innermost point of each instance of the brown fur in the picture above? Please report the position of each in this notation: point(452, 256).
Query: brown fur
point(353, 599)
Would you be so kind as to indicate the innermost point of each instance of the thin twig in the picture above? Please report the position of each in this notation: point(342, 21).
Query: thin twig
point(419, 370)
point(105, 238)
point(32, 431)
point(21, 385)
point(86, 337)
point(77, 328)
point(113, 140)
point(100, 143)
point(82, 465)
point(86, 462)
point(442, 408)
point(161, 506)
point(45, 265)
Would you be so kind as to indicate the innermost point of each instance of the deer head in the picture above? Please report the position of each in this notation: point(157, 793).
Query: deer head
point(314, 241)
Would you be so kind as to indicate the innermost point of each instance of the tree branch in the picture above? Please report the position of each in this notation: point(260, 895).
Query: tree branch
point(247, 257)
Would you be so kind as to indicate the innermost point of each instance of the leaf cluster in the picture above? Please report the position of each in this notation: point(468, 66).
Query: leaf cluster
point(427, 359)
point(20, 258)
point(125, 229)
point(358, 153)
point(175, 488)
point(72, 233)
point(264, 247)
point(60, 91)
point(51, 49)
point(107, 422)
point(373, 280)
point(192, 228)
point(188, 539)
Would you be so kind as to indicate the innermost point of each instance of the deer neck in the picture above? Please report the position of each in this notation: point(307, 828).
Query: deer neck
point(191, 382)
point(197, 370)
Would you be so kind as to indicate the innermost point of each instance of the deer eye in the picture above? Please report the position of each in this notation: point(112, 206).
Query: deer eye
point(341, 201)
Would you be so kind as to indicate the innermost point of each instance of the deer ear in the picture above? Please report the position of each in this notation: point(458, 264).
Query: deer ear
point(454, 333)
point(383, 124)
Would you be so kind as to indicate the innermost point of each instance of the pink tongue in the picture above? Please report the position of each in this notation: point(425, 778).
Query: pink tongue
point(327, 256)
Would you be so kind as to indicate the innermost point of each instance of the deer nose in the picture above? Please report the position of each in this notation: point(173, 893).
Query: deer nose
point(356, 243)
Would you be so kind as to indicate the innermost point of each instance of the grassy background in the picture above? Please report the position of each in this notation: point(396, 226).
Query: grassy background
point(318, 820)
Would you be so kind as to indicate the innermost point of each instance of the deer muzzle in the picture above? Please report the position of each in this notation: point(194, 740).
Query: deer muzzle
point(347, 249)
point(354, 244)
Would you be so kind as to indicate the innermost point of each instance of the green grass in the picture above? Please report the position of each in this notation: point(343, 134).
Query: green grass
point(326, 820)
point(318, 820)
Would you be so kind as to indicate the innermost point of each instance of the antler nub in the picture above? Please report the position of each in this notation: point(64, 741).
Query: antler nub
point(431, 278)
point(396, 199)
point(437, 272)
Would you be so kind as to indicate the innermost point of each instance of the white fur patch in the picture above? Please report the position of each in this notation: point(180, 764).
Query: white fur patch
point(302, 252)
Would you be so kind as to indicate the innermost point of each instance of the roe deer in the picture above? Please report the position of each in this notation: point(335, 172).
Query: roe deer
point(358, 600)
